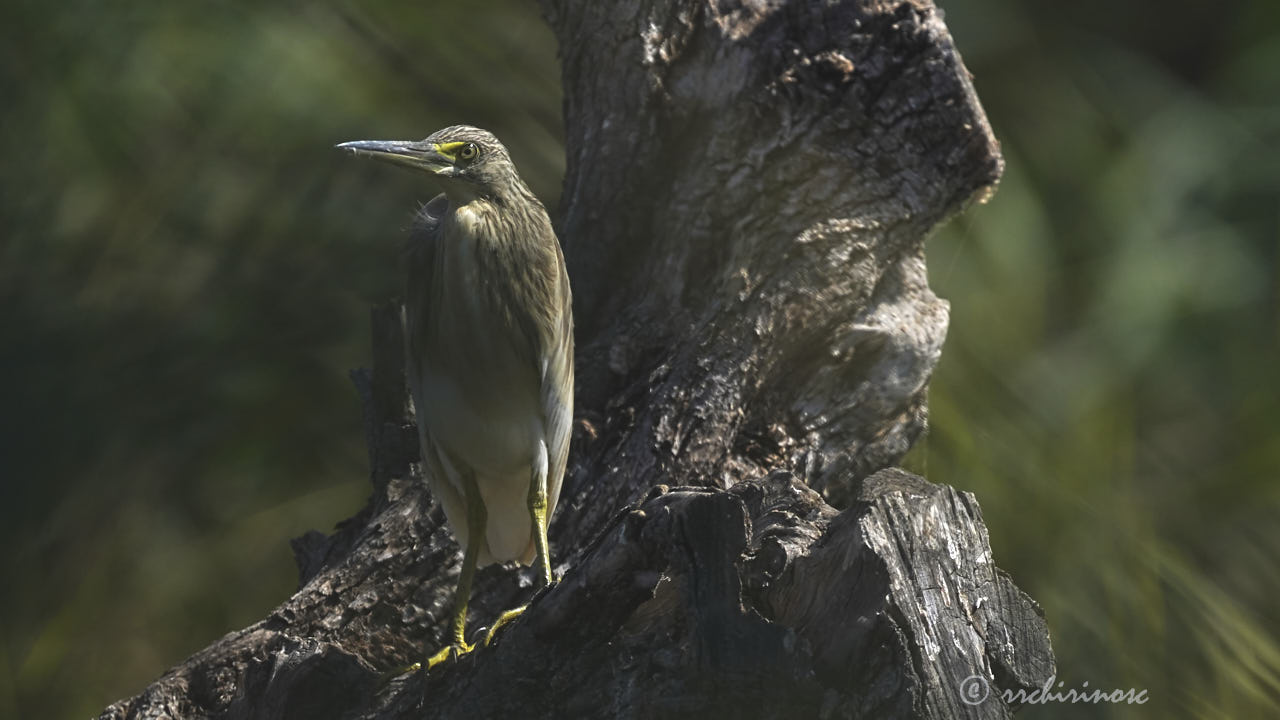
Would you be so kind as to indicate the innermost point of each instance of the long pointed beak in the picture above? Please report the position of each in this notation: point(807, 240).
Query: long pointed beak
point(420, 155)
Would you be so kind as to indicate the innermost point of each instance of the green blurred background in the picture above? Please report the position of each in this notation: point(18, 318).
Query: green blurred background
point(186, 269)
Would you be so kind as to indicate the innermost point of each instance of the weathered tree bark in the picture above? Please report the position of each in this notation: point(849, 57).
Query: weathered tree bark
point(749, 186)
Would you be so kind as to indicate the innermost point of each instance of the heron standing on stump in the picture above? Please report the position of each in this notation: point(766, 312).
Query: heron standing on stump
point(489, 340)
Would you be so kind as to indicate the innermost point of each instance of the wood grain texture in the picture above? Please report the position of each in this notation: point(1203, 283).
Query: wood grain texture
point(749, 186)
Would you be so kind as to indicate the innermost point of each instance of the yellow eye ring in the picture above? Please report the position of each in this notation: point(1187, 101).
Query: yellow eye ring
point(468, 152)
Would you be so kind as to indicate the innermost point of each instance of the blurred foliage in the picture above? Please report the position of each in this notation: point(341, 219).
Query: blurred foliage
point(187, 266)
point(1110, 385)
point(185, 279)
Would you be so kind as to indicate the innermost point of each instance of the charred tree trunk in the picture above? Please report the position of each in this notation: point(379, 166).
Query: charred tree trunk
point(749, 187)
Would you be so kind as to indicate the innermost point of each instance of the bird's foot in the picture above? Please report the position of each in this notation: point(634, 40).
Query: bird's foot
point(502, 621)
point(449, 652)
point(510, 615)
point(387, 677)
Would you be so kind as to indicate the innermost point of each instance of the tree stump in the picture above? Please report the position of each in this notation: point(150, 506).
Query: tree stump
point(749, 187)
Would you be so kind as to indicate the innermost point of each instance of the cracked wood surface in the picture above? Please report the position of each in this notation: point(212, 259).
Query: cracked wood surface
point(747, 194)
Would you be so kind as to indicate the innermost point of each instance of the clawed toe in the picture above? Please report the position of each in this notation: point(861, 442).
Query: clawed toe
point(449, 652)
point(501, 622)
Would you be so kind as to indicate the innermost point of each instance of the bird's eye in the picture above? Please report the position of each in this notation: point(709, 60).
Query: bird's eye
point(468, 152)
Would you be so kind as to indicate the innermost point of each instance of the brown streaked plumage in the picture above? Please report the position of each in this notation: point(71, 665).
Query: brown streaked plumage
point(489, 336)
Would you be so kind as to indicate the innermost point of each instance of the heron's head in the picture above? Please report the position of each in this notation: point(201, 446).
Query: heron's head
point(464, 160)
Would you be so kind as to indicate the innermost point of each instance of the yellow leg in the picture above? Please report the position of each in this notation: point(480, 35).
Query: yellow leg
point(476, 519)
point(538, 512)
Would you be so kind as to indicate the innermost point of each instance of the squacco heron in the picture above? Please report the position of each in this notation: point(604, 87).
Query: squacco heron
point(489, 341)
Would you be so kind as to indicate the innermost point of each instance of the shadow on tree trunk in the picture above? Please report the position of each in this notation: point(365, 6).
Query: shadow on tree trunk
point(748, 190)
